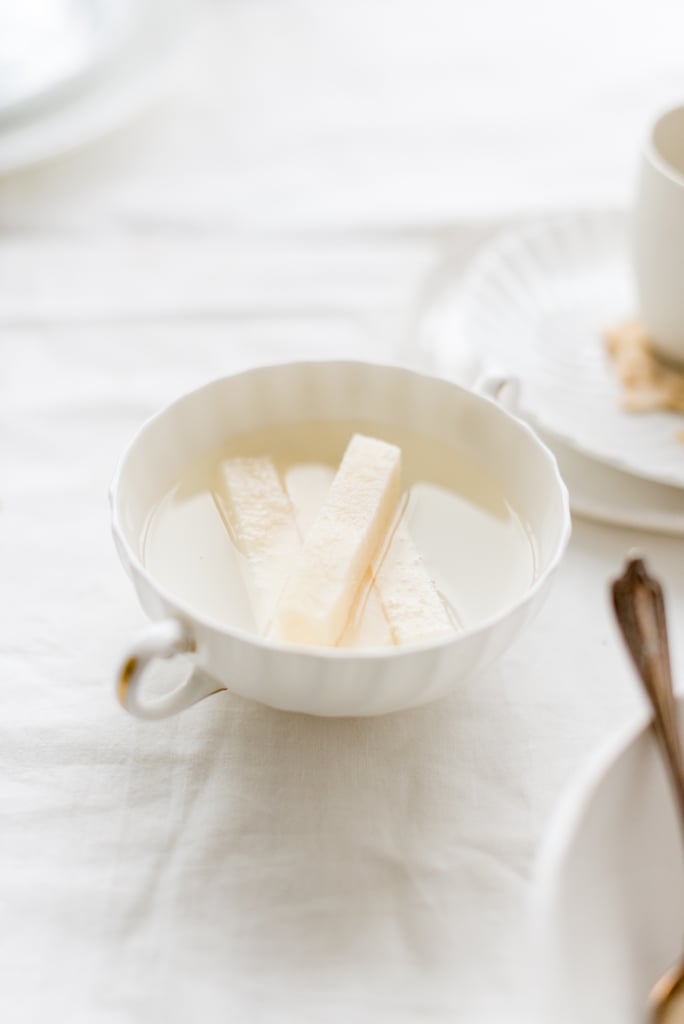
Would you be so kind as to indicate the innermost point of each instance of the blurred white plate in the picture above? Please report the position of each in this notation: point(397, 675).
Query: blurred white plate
point(534, 304)
point(101, 80)
point(609, 912)
point(47, 46)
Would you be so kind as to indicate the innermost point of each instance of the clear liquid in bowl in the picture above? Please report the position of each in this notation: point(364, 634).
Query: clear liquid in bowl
point(475, 545)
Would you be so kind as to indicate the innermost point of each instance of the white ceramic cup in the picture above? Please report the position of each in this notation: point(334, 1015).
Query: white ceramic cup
point(325, 681)
point(659, 235)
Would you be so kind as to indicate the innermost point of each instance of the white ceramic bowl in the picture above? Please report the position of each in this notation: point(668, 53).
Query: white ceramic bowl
point(325, 681)
point(610, 889)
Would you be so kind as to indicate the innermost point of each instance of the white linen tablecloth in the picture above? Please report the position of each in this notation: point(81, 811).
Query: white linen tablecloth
point(238, 863)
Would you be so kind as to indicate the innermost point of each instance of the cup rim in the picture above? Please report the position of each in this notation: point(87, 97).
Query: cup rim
point(191, 615)
point(652, 151)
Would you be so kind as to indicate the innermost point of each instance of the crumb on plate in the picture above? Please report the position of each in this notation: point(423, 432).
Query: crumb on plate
point(649, 384)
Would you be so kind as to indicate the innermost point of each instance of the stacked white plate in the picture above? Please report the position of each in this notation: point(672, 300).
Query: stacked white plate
point(72, 70)
point(533, 308)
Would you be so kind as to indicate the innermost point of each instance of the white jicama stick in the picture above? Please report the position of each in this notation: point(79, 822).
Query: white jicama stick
point(345, 537)
point(408, 596)
point(367, 625)
point(258, 512)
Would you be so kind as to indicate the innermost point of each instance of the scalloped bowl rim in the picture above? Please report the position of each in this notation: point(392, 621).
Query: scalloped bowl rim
point(335, 653)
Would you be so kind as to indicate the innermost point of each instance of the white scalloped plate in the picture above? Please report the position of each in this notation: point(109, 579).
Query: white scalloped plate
point(534, 304)
point(597, 491)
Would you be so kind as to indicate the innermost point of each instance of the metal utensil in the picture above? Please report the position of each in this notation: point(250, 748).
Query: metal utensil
point(640, 610)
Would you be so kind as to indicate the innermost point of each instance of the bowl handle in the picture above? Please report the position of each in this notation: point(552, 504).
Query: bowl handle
point(160, 640)
point(504, 389)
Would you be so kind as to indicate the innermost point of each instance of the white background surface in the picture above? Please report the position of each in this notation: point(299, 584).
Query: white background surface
point(311, 166)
